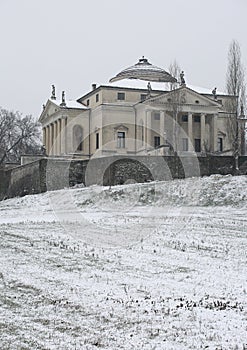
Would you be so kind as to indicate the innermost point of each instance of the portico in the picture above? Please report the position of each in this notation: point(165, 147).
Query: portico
point(187, 127)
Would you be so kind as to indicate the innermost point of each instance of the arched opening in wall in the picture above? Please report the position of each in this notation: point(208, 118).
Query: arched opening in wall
point(124, 171)
point(77, 138)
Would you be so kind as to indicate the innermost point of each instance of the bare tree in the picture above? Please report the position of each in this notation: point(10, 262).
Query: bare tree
point(174, 70)
point(18, 135)
point(175, 103)
point(235, 86)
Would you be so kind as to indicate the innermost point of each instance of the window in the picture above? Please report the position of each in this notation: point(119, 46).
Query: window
point(156, 116)
point(197, 118)
point(197, 145)
point(185, 144)
point(143, 97)
point(97, 97)
point(184, 118)
point(121, 96)
point(196, 101)
point(77, 138)
point(120, 139)
point(156, 141)
point(97, 140)
point(88, 102)
point(220, 144)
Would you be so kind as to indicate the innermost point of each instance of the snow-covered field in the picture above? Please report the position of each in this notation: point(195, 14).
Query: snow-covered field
point(141, 266)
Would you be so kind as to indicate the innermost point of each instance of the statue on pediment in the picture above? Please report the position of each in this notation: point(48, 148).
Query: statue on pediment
point(53, 92)
point(182, 80)
point(63, 103)
point(214, 93)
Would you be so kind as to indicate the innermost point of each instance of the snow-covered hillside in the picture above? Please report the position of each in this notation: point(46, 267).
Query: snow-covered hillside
point(142, 266)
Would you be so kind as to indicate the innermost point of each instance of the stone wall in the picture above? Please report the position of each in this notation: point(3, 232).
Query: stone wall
point(142, 169)
point(25, 180)
point(53, 174)
point(57, 173)
point(4, 183)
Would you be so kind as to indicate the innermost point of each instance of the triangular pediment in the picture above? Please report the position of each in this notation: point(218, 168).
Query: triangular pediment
point(183, 96)
point(221, 133)
point(54, 106)
point(121, 127)
point(49, 109)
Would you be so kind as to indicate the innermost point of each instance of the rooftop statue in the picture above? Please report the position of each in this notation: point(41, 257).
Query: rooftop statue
point(63, 99)
point(182, 80)
point(53, 92)
point(214, 93)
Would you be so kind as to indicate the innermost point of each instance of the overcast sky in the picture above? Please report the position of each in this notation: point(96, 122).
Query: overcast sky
point(75, 43)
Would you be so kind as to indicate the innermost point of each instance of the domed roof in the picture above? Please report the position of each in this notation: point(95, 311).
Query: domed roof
point(144, 70)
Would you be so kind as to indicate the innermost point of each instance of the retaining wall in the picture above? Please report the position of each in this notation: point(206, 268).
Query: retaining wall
point(52, 174)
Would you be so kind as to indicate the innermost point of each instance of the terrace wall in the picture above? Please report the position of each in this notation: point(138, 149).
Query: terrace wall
point(53, 174)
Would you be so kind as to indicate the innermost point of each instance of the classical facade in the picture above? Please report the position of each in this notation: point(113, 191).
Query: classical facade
point(142, 110)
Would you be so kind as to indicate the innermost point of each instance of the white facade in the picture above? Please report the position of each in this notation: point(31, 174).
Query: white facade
point(127, 119)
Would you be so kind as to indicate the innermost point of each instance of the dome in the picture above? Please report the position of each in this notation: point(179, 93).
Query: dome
point(144, 70)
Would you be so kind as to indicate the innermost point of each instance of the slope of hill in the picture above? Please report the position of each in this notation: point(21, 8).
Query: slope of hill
point(141, 266)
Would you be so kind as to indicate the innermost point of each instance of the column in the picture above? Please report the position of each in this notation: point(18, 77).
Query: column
point(59, 136)
point(50, 140)
point(215, 132)
point(63, 134)
point(66, 135)
point(162, 127)
point(149, 129)
point(203, 128)
point(47, 145)
point(190, 132)
point(55, 139)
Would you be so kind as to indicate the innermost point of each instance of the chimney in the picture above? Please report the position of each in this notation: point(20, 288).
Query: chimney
point(94, 86)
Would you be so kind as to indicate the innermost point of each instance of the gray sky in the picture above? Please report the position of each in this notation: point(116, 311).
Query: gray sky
point(75, 43)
